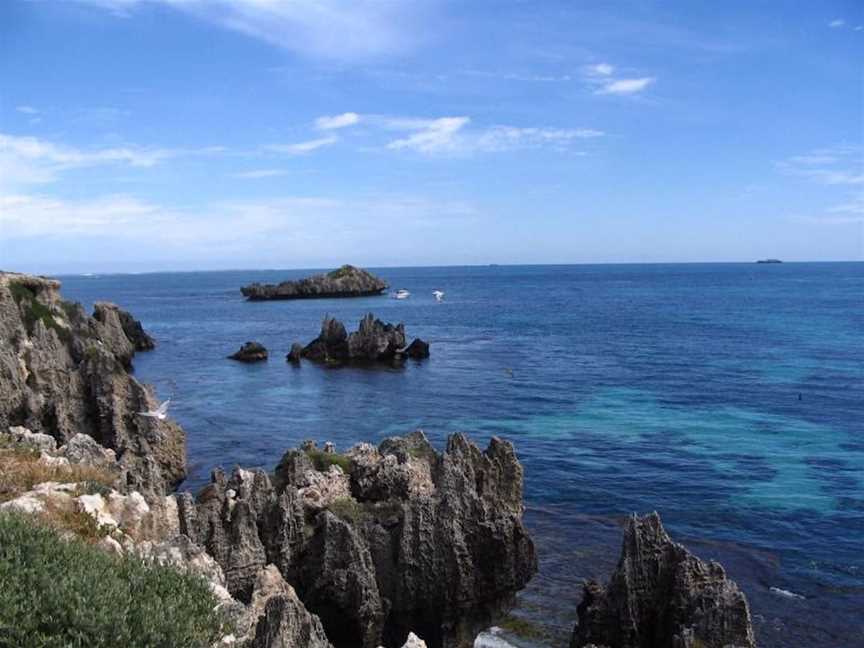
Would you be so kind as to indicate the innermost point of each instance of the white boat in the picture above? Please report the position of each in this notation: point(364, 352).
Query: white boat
point(439, 295)
point(401, 294)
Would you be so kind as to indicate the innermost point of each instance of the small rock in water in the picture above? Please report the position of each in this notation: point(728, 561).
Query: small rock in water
point(295, 354)
point(418, 349)
point(250, 352)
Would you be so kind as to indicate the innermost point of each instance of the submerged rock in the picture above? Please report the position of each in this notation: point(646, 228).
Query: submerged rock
point(64, 373)
point(346, 281)
point(374, 342)
point(417, 350)
point(662, 596)
point(295, 353)
point(250, 352)
point(398, 538)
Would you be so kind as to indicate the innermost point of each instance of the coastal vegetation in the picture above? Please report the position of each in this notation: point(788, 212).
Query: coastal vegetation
point(323, 460)
point(57, 592)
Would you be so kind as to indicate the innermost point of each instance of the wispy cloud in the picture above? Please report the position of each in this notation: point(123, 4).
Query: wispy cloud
point(256, 174)
point(337, 121)
point(301, 148)
point(837, 165)
point(600, 77)
point(330, 29)
point(27, 110)
point(30, 160)
point(453, 135)
point(837, 23)
point(435, 136)
point(599, 69)
point(624, 86)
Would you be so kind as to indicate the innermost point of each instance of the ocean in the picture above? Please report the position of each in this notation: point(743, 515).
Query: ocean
point(728, 397)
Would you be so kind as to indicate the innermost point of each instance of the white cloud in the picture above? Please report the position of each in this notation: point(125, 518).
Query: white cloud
point(836, 23)
point(434, 136)
point(837, 165)
point(625, 86)
point(301, 148)
point(330, 29)
point(27, 110)
point(256, 174)
point(599, 69)
point(31, 148)
point(337, 121)
point(452, 135)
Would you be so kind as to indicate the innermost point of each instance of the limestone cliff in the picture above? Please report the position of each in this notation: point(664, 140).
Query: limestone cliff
point(63, 372)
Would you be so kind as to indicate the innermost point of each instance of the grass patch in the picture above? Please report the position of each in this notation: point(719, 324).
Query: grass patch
point(32, 311)
point(20, 471)
point(348, 509)
point(323, 460)
point(523, 628)
point(339, 273)
point(21, 292)
point(56, 593)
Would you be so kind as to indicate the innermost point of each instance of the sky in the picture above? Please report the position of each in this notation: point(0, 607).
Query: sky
point(145, 135)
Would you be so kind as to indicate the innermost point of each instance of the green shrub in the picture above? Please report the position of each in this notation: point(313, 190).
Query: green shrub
point(347, 508)
point(20, 292)
point(323, 460)
point(57, 593)
point(523, 628)
point(344, 271)
point(32, 310)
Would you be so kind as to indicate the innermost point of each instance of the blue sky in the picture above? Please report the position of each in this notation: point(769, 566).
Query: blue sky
point(190, 134)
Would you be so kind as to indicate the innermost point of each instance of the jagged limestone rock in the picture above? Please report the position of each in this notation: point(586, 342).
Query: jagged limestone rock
point(421, 541)
point(662, 596)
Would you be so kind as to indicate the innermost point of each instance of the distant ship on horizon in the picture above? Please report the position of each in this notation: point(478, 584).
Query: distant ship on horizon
point(769, 261)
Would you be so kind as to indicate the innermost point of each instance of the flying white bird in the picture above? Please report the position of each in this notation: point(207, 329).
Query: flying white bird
point(439, 295)
point(160, 412)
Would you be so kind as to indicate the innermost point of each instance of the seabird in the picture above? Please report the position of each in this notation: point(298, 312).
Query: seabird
point(160, 412)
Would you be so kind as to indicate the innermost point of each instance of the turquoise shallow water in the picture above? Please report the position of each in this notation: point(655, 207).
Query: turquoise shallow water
point(729, 397)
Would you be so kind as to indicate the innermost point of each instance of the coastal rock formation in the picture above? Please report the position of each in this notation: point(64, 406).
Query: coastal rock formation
point(250, 352)
point(64, 373)
point(662, 596)
point(377, 542)
point(374, 342)
point(295, 354)
point(346, 281)
point(417, 350)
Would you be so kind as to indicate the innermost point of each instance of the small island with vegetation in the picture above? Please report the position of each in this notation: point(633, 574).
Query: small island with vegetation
point(346, 281)
point(769, 261)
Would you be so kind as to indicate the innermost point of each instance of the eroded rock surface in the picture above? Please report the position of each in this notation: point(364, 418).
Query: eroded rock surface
point(64, 373)
point(374, 342)
point(662, 596)
point(346, 281)
point(395, 539)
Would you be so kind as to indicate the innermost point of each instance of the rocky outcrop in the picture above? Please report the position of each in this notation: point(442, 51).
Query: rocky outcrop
point(64, 373)
point(374, 342)
point(662, 596)
point(295, 354)
point(250, 352)
point(418, 349)
point(376, 542)
point(346, 281)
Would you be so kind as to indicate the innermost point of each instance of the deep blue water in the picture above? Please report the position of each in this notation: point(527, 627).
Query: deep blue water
point(729, 397)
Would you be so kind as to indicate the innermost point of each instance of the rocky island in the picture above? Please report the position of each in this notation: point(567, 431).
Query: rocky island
point(346, 281)
point(329, 550)
point(374, 342)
